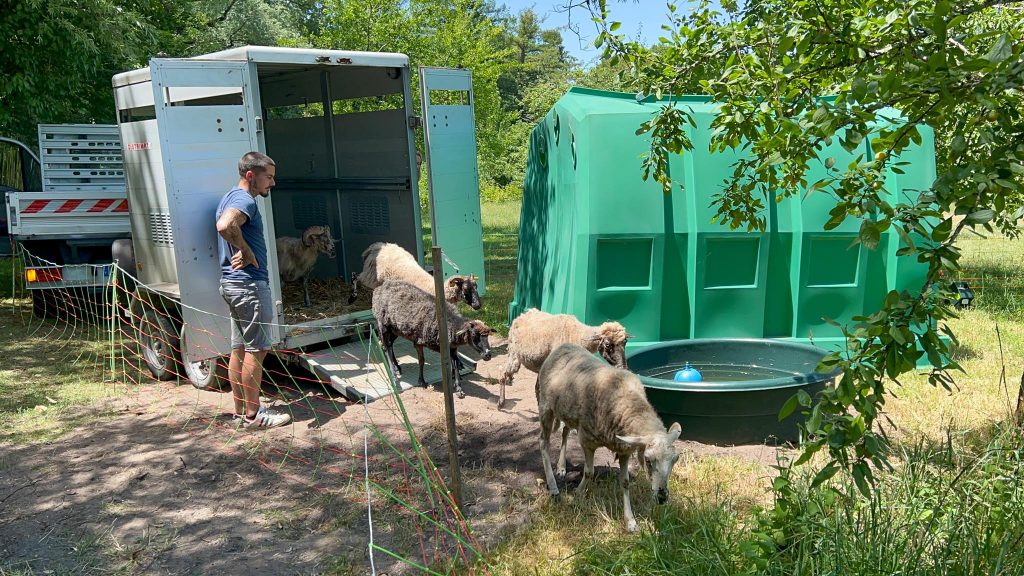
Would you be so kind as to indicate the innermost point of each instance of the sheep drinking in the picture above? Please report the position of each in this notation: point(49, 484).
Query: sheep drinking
point(608, 406)
point(402, 309)
point(296, 257)
point(534, 334)
point(384, 261)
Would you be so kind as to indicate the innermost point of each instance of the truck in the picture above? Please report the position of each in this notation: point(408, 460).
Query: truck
point(340, 126)
point(70, 215)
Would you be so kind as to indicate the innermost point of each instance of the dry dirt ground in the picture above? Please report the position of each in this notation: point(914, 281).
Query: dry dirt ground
point(164, 484)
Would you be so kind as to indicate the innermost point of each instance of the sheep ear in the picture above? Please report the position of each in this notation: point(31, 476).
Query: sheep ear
point(674, 431)
point(628, 336)
point(455, 281)
point(633, 440)
point(461, 333)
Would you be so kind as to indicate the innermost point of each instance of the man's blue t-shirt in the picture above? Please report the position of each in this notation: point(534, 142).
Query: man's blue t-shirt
point(252, 232)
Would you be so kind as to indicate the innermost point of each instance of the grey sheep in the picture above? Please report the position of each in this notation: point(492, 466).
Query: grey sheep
point(534, 334)
point(296, 257)
point(402, 309)
point(384, 261)
point(608, 406)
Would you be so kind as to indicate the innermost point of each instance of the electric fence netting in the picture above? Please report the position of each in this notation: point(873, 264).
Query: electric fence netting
point(369, 459)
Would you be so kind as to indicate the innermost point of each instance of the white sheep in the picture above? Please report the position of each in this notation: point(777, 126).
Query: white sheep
point(402, 309)
point(296, 257)
point(384, 261)
point(608, 406)
point(534, 334)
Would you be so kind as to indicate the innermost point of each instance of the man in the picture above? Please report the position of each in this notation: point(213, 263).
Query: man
point(244, 284)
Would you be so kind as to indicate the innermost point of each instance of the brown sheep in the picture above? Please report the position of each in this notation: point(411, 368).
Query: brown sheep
point(296, 257)
point(534, 334)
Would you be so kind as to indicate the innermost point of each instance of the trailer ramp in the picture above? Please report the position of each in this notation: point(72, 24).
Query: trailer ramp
point(361, 374)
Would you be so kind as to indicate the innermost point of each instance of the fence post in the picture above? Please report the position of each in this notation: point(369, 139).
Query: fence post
point(446, 376)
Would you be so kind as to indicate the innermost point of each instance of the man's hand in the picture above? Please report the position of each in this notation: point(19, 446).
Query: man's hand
point(243, 258)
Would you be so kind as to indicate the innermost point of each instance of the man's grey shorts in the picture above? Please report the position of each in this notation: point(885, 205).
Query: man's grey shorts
point(251, 313)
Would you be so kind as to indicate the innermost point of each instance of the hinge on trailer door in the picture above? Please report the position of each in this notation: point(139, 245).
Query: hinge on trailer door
point(415, 122)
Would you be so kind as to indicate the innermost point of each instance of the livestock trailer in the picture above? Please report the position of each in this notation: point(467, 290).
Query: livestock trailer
point(340, 127)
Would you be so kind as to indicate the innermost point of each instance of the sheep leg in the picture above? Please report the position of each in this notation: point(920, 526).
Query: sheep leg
point(627, 509)
point(546, 420)
point(419, 358)
point(305, 291)
point(560, 470)
point(511, 367)
point(588, 469)
point(355, 293)
point(456, 376)
point(387, 338)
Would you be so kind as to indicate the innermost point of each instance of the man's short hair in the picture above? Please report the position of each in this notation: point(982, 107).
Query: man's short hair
point(255, 161)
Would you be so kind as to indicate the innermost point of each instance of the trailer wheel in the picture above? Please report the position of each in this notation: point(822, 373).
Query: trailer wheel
point(158, 342)
point(210, 374)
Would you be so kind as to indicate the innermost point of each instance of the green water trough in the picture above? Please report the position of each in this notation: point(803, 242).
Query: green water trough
point(745, 384)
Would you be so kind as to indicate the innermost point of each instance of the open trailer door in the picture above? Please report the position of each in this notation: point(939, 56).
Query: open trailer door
point(208, 116)
point(449, 132)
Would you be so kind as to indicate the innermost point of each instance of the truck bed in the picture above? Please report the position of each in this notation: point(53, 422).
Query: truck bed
point(38, 215)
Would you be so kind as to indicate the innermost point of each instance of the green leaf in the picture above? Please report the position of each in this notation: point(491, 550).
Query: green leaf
point(1001, 50)
point(869, 235)
point(980, 216)
point(941, 232)
point(830, 162)
point(824, 474)
point(789, 407)
point(861, 474)
point(615, 26)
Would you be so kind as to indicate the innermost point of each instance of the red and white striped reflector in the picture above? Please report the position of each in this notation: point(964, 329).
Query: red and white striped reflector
point(111, 205)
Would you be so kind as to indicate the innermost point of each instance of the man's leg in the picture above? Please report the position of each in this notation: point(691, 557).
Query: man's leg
point(252, 378)
point(235, 378)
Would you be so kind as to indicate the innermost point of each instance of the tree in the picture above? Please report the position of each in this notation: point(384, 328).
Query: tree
point(954, 66)
point(58, 56)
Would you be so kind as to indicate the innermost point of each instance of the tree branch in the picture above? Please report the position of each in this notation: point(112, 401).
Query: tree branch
point(224, 16)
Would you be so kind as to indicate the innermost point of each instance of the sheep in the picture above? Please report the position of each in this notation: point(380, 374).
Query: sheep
point(608, 406)
point(295, 257)
point(402, 309)
point(385, 261)
point(534, 334)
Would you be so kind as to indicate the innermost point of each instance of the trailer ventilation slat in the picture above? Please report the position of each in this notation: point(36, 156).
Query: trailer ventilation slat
point(370, 214)
point(309, 210)
point(160, 229)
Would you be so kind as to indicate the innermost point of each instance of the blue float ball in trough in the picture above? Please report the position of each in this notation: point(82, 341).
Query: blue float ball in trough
point(688, 374)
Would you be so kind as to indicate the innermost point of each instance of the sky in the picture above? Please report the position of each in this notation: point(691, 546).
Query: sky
point(640, 20)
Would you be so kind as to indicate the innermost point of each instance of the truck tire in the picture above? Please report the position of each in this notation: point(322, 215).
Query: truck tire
point(210, 374)
point(158, 343)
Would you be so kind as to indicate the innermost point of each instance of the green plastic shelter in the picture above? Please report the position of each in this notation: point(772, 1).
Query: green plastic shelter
point(599, 242)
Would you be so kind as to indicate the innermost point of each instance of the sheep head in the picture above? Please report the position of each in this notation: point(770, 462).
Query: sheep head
point(320, 238)
point(464, 286)
point(611, 343)
point(475, 333)
point(659, 457)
